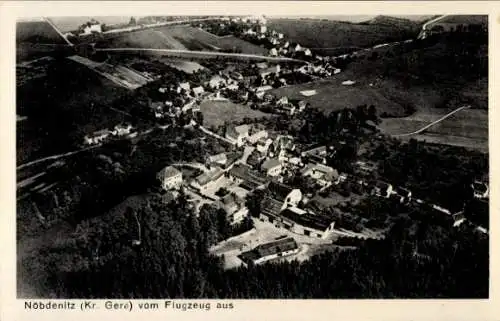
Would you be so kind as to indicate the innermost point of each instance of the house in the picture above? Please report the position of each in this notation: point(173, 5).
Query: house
point(208, 180)
point(280, 36)
point(263, 145)
point(257, 136)
point(96, 137)
point(302, 105)
point(234, 206)
point(92, 27)
point(288, 109)
point(286, 45)
point(305, 223)
point(480, 189)
point(271, 70)
point(220, 159)
point(297, 48)
point(402, 194)
point(284, 194)
point(282, 101)
point(272, 167)
point(263, 29)
point(273, 52)
point(170, 178)
point(321, 173)
point(198, 90)
point(382, 189)
point(246, 177)
point(183, 86)
point(307, 52)
point(216, 82)
point(238, 134)
point(122, 130)
point(319, 151)
point(255, 159)
point(268, 251)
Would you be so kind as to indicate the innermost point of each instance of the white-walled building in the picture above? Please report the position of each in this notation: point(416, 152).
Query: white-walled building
point(170, 178)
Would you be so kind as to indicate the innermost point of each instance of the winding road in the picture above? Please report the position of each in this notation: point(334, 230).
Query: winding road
point(433, 123)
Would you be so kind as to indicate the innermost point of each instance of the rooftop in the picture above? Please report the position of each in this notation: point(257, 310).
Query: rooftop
point(169, 171)
point(214, 174)
point(271, 248)
point(317, 222)
point(279, 191)
point(270, 163)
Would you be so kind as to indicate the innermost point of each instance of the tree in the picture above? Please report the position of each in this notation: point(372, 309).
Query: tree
point(253, 202)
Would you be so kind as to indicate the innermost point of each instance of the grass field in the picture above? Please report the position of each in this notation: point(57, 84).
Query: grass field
point(180, 38)
point(467, 128)
point(333, 34)
point(183, 65)
point(386, 95)
point(37, 32)
point(215, 113)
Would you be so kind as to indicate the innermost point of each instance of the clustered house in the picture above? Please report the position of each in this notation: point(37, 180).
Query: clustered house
point(237, 134)
point(246, 177)
point(170, 178)
point(271, 250)
point(208, 180)
point(281, 208)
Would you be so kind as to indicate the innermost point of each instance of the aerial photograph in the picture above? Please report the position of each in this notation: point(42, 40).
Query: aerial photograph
point(252, 157)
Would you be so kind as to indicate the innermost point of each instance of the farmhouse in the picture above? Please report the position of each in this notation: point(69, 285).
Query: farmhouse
point(220, 159)
point(209, 179)
point(183, 86)
point(170, 178)
point(348, 83)
point(402, 194)
point(271, 70)
point(96, 137)
point(321, 173)
point(268, 251)
point(305, 223)
point(273, 52)
point(91, 27)
point(238, 134)
point(272, 167)
point(263, 145)
point(198, 91)
point(263, 89)
point(246, 177)
point(257, 136)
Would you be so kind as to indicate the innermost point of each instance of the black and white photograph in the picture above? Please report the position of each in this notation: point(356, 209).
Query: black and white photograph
point(267, 156)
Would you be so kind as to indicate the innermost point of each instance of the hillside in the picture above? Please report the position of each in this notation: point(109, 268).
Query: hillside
point(325, 36)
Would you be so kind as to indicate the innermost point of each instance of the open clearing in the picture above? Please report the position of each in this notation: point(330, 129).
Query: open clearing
point(181, 37)
point(467, 128)
point(215, 113)
point(182, 65)
point(387, 95)
point(266, 232)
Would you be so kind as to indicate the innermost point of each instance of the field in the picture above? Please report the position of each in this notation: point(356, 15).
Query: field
point(467, 128)
point(68, 101)
point(387, 96)
point(215, 113)
point(180, 38)
point(37, 32)
point(331, 35)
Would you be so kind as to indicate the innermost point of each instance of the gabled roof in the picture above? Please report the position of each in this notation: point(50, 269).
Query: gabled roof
point(268, 249)
point(317, 222)
point(212, 175)
point(279, 191)
point(270, 163)
point(168, 172)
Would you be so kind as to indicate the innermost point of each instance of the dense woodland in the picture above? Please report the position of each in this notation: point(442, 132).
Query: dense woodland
point(421, 257)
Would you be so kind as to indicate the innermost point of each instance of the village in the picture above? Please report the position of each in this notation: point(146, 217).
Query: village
point(289, 221)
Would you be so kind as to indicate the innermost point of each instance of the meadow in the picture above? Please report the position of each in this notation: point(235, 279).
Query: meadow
point(180, 37)
point(330, 35)
point(215, 113)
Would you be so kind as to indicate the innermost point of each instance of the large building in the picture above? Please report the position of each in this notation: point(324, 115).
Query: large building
point(272, 167)
point(246, 177)
point(238, 134)
point(208, 180)
point(170, 178)
point(268, 251)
